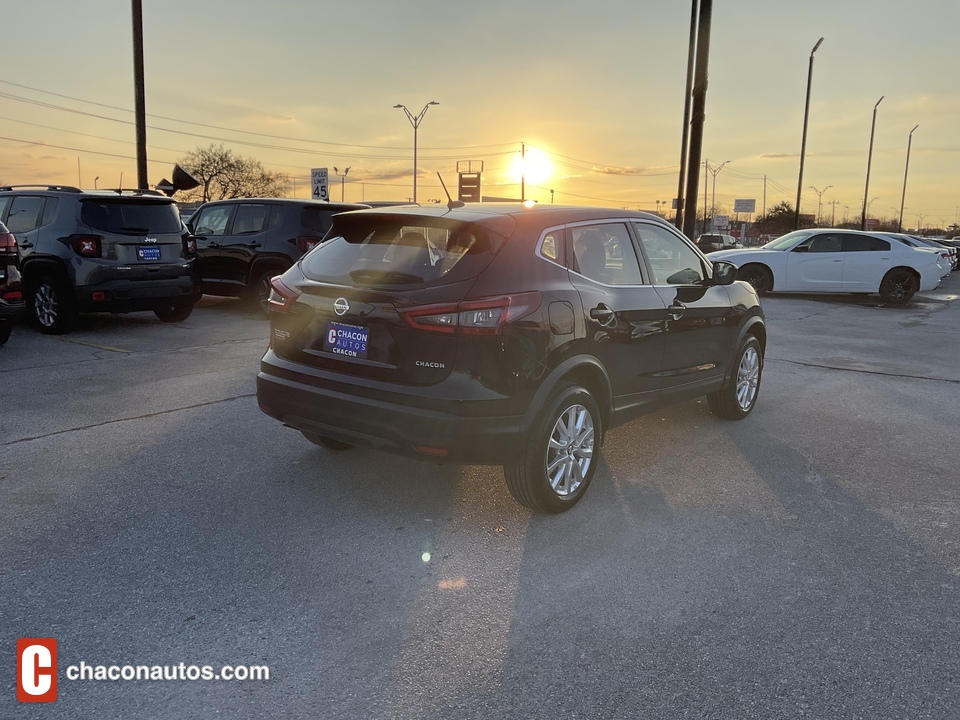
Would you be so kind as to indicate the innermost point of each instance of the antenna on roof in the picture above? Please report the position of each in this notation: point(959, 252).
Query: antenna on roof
point(451, 203)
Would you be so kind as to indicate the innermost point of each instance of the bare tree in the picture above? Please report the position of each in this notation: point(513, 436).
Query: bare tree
point(223, 175)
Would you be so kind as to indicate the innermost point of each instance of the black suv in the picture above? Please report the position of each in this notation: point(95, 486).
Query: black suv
point(11, 289)
point(505, 334)
point(104, 251)
point(241, 244)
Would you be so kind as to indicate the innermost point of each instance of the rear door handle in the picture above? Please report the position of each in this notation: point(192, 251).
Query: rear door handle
point(253, 245)
point(676, 310)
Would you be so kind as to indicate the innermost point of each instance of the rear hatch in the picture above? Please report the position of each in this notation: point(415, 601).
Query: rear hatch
point(142, 233)
point(382, 296)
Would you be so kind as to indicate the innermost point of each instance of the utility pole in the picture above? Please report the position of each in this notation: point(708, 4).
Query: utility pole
point(140, 108)
point(698, 114)
point(691, 59)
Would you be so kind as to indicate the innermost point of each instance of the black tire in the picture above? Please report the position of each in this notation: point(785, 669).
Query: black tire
point(736, 399)
point(6, 327)
point(173, 313)
point(259, 289)
point(326, 442)
point(898, 286)
point(53, 305)
point(573, 459)
point(759, 276)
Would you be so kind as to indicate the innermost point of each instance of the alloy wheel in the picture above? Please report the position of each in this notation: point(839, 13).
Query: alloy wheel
point(570, 450)
point(748, 378)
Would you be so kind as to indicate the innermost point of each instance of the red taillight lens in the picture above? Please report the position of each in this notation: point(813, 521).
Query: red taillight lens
point(8, 244)
point(86, 245)
point(190, 245)
point(281, 297)
point(306, 243)
point(486, 316)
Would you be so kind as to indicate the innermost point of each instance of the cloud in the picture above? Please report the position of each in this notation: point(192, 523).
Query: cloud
point(632, 171)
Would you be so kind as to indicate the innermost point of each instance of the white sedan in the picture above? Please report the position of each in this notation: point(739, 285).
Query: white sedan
point(834, 261)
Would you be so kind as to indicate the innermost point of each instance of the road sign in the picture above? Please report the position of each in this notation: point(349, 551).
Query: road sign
point(744, 206)
point(318, 181)
point(721, 222)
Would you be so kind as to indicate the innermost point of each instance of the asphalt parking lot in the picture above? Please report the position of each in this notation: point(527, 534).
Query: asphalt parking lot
point(802, 563)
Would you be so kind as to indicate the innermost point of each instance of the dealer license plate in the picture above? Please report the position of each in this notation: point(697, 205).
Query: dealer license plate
point(149, 252)
point(346, 340)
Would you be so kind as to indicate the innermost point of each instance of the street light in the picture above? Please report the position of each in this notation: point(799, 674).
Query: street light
point(819, 199)
point(866, 187)
point(95, 182)
point(659, 203)
point(906, 167)
point(713, 198)
point(415, 121)
point(342, 176)
point(803, 141)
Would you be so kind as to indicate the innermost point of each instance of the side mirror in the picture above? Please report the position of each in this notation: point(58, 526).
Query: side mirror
point(724, 273)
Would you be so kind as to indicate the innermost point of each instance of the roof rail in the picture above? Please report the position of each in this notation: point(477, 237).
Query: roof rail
point(61, 188)
point(133, 191)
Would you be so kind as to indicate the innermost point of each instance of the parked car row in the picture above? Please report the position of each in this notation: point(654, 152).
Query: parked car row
point(108, 251)
point(839, 261)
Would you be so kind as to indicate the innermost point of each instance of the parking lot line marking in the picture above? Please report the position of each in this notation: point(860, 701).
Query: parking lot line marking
point(95, 345)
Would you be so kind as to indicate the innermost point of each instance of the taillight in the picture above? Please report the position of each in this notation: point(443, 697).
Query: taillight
point(486, 316)
point(281, 297)
point(307, 243)
point(189, 245)
point(8, 244)
point(86, 245)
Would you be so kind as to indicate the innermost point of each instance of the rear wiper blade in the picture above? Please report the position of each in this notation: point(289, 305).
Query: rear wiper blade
point(384, 277)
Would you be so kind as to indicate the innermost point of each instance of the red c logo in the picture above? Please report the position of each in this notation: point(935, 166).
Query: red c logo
point(36, 669)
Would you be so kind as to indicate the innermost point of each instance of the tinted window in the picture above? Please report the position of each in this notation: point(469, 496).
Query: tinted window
point(820, 244)
point(50, 210)
point(24, 213)
point(317, 219)
point(550, 245)
point(864, 243)
point(250, 219)
point(604, 254)
point(390, 251)
point(212, 220)
point(672, 260)
point(130, 216)
point(4, 201)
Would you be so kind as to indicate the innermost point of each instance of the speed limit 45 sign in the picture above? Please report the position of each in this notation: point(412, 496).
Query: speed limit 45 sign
point(318, 182)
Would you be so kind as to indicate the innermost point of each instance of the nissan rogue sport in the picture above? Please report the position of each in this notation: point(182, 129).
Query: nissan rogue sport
point(505, 334)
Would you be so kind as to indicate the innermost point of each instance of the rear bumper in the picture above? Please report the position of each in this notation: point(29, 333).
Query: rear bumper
point(125, 295)
point(415, 426)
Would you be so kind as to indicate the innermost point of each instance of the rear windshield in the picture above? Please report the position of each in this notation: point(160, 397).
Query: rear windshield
point(130, 217)
point(400, 250)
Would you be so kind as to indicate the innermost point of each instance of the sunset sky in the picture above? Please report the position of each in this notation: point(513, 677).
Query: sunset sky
point(595, 88)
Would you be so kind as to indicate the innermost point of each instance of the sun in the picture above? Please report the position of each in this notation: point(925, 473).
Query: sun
point(536, 168)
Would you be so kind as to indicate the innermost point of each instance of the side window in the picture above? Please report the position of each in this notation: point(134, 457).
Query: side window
point(604, 254)
point(864, 243)
point(317, 219)
point(822, 244)
point(250, 219)
point(50, 210)
point(550, 245)
point(4, 202)
point(25, 213)
point(673, 261)
point(212, 220)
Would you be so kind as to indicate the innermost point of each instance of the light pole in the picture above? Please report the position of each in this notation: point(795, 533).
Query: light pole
point(820, 199)
point(415, 121)
point(803, 141)
point(659, 203)
point(342, 175)
point(95, 182)
point(920, 217)
point(906, 167)
point(866, 187)
point(713, 197)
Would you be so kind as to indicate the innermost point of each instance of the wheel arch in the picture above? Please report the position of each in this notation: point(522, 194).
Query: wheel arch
point(761, 264)
point(583, 370)
point(260, 265)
